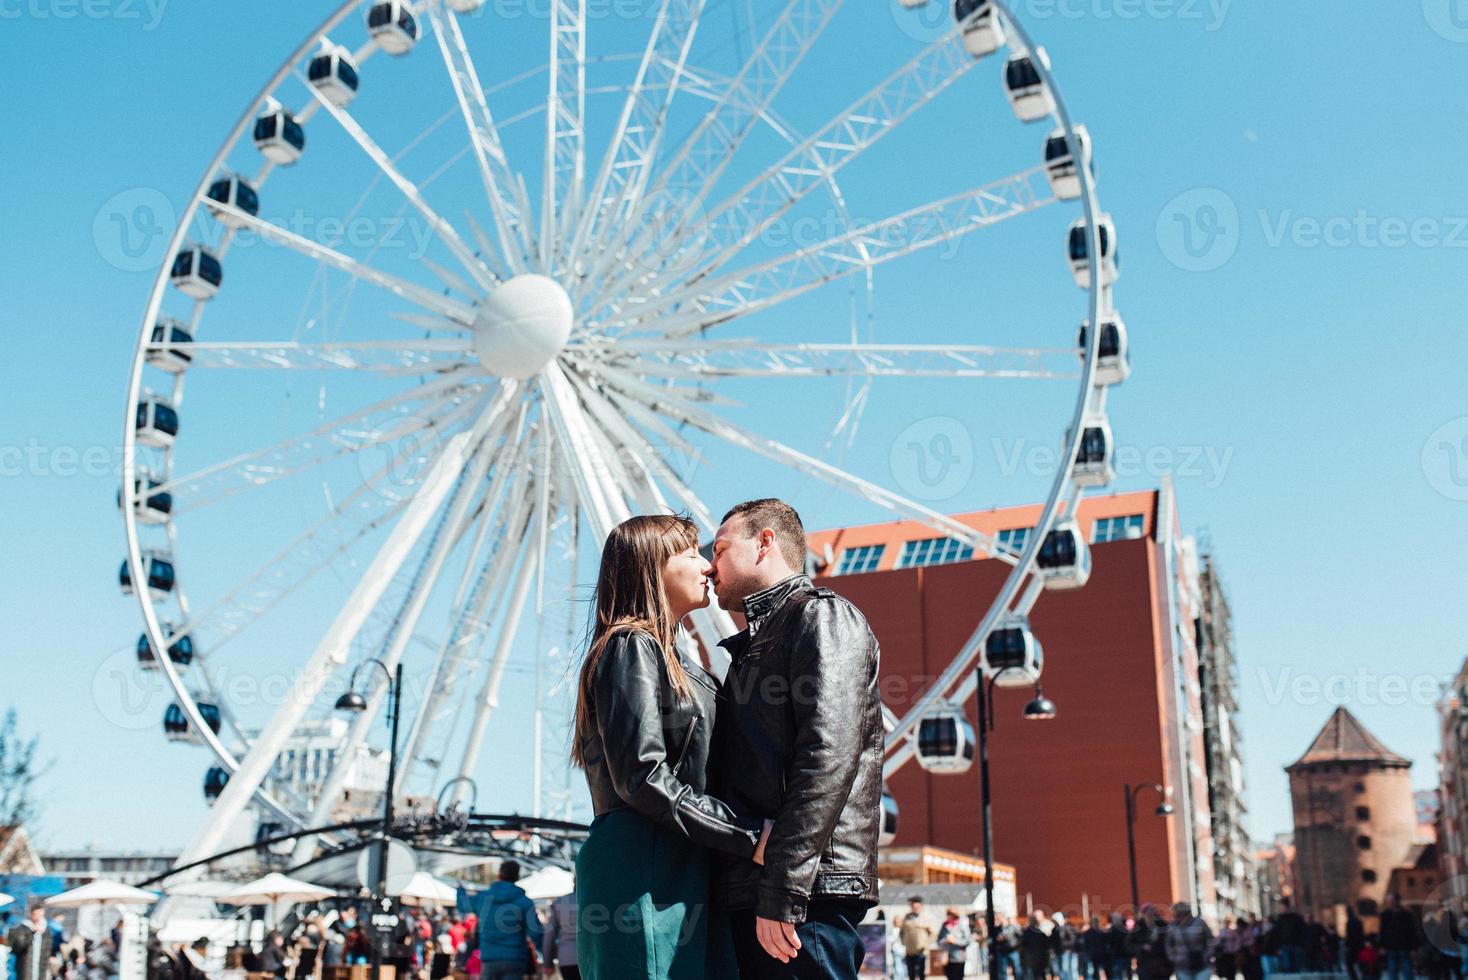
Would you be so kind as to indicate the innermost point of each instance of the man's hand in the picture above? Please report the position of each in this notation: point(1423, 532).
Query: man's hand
point(777, 938)
point(764, 838)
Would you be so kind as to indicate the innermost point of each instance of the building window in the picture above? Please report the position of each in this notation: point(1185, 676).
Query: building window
point(1363, 813)
point(1368, 876)
point(1363, 842)
point(1360, 787)
point(933, 551)
point(854, 561)
point(1117, 528)
point(1366, 907)
point(1014, 538)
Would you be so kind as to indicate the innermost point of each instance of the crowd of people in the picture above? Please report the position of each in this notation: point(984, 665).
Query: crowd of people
point(1155, 946)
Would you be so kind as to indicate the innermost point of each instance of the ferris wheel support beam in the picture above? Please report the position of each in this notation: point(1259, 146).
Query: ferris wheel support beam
point(628, 161)
point(590, 468)
point(506, 196)
point(898, 745)
point(511, 525)
point(330, 653)
point(772, 282)
point(565, 154)
point(489, 696)
point(456, 519)
point(702, 156)
point(740, 218)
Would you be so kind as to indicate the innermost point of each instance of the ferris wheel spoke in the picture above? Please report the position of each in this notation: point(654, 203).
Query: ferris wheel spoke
point(752, 359)
point(565, 160)
point(589, 467)
point(772, 282)
point(739, 219)
point(703, 155)
point(456, 311)
point(504, 192)
point(422, 408)
point(671, 403)
point(634, 145)
point(470, 623)
point(648, 461)
point(482, 274)
point(385, 356)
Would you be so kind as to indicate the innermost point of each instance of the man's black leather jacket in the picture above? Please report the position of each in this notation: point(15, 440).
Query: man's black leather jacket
point(649, 749)
point(800, 741)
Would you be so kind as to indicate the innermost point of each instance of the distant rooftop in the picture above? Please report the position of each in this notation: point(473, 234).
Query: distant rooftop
point(1344, 739)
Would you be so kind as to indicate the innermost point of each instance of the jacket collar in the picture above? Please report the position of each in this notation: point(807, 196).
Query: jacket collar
point(758, 607)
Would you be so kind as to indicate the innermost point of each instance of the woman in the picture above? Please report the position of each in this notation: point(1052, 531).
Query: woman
point(954, 938)
point(644, 715)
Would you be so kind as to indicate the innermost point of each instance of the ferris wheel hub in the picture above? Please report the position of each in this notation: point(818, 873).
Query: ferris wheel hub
point(522, 325)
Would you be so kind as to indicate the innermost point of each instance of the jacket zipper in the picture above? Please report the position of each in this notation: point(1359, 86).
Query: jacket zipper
point(687, 744)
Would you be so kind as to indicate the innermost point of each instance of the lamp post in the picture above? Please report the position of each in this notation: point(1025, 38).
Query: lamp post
point(1163, 809)
point(353, 702)
point(1039, 709)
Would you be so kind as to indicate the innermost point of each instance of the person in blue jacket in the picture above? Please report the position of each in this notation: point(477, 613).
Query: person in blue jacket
point(508, 927)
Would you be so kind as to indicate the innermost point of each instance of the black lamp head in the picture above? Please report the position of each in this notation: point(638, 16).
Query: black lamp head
point(1164, 809)
point(1041, 708)
point(351, 701)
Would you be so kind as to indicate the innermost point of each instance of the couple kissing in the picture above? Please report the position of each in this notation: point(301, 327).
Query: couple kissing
point(736, 820)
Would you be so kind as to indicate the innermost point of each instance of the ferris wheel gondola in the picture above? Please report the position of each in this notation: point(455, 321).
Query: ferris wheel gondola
point(983, 31)
point(1029, 95)
point(393, 25)
point(278, 135)
point(1113, 359)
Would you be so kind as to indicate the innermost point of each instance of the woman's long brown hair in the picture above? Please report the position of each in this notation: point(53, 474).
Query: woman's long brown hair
point(630, 596)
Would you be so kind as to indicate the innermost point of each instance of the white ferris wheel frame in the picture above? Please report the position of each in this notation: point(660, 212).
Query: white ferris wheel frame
point(583, 417)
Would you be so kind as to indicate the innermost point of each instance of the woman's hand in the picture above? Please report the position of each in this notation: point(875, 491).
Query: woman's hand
point(764, 838)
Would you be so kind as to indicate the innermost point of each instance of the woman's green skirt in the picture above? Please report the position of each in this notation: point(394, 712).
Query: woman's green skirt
point(643, 899)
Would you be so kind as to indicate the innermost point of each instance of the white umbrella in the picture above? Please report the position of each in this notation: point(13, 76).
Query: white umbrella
point(273, 889)
point(424, 889)
point(102, 893)
point(5, 900)
point(548, 882)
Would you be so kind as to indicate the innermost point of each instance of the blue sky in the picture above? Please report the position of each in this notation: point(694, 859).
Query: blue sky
point(1289, 196)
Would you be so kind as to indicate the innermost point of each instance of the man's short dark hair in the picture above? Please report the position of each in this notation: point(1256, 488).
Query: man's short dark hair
point(201, 943)
point(510, 871)
point(914, 900)
point(778, 516)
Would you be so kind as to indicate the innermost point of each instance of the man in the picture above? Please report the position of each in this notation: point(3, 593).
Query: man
point(1289, 927)
point(30, 944)
point(190, 961)
point(560, 939)
point(1398, 930)
point(798, 740)
point(917, 935)
point(508, 927)
point(1034, 948)
point(1006, 948)
point(1189, 944)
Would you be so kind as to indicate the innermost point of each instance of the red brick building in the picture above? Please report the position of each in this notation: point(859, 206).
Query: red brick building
point(1120, 663)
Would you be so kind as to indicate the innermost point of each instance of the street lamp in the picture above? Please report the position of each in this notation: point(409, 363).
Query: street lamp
point(1163, 809)
point(1039, 709)
point(355, 703)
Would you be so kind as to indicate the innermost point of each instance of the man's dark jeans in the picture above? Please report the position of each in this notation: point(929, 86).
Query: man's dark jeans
point(830, 946)
point(506, 969)
point(917, 966)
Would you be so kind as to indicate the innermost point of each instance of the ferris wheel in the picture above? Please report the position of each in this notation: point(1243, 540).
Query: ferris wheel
point(596, 259)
